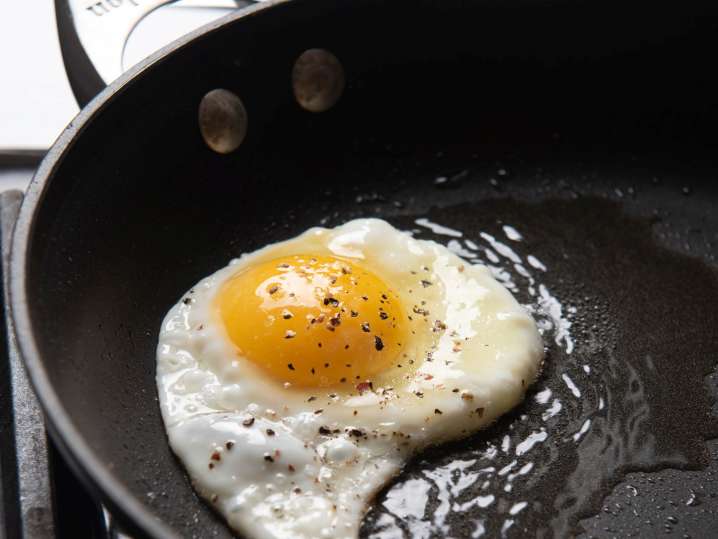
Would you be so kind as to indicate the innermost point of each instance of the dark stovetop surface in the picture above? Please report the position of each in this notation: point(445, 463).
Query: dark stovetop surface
point(39, 495)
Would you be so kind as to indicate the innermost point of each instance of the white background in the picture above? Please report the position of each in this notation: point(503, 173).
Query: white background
point(35, 98)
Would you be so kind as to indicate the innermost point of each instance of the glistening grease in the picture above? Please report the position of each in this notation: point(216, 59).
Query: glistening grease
point(629, 328)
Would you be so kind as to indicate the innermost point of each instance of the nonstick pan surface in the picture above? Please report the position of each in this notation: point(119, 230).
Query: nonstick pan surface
point(588, 128)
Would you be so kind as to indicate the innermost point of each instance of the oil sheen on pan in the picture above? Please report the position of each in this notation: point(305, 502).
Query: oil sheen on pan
point(629, 328)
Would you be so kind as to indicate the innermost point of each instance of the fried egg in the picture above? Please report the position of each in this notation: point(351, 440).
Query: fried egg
point(298, 380)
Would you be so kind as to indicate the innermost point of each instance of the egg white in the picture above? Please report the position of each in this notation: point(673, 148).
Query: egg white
point(311, 459)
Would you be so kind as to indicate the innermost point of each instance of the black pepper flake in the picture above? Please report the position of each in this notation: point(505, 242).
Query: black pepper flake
point(426, 283)
point(310, 399)
point(283, 266)
point(286, 314)
point(365, 298)
point(383, 316)
point(480, 411)
point(355, 412)
point(326, 365)
point(419, 394)
point(455, 390)
point(378, 343)
point(312, 370)
point(297, 490)
point(335, 320)
point(248, 422)
point(290, 467)
point(356, 432)
point(324, 430)
point(365, 327)
point(343, 381)
point(331, 301)
point(346, 270)
point(437, 411)
point(270, 432)
point(419, 310)
point(210, 466)
point(229, 445)
point(268, 457)
point(318, 411)
point(346, 347)
point(290, 367)
point(289, 334)
point(187, 301)
point(273, 289)
point(319, 344)
point(354, 314)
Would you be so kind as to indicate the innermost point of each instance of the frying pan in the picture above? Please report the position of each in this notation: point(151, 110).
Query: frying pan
point(588, 126)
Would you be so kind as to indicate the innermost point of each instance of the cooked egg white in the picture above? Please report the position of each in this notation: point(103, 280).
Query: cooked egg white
point(295, 382)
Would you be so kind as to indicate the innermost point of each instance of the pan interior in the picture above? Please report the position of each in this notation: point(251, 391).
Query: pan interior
point(594, 143)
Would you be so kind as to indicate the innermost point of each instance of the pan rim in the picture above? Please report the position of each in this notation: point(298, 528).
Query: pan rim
point(73, 446)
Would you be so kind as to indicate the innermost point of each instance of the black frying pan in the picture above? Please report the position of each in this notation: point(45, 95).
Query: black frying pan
point(589, 126)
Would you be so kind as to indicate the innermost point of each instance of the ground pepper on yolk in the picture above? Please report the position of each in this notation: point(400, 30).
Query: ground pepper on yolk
point(313, 320)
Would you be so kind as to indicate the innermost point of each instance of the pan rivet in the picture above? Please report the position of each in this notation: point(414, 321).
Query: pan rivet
point(317, 80)
point(222, 120)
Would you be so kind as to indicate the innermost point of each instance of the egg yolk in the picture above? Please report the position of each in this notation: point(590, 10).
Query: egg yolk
point(313, 320)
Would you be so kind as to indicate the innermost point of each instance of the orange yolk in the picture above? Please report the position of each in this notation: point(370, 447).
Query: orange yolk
point(313, 320)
